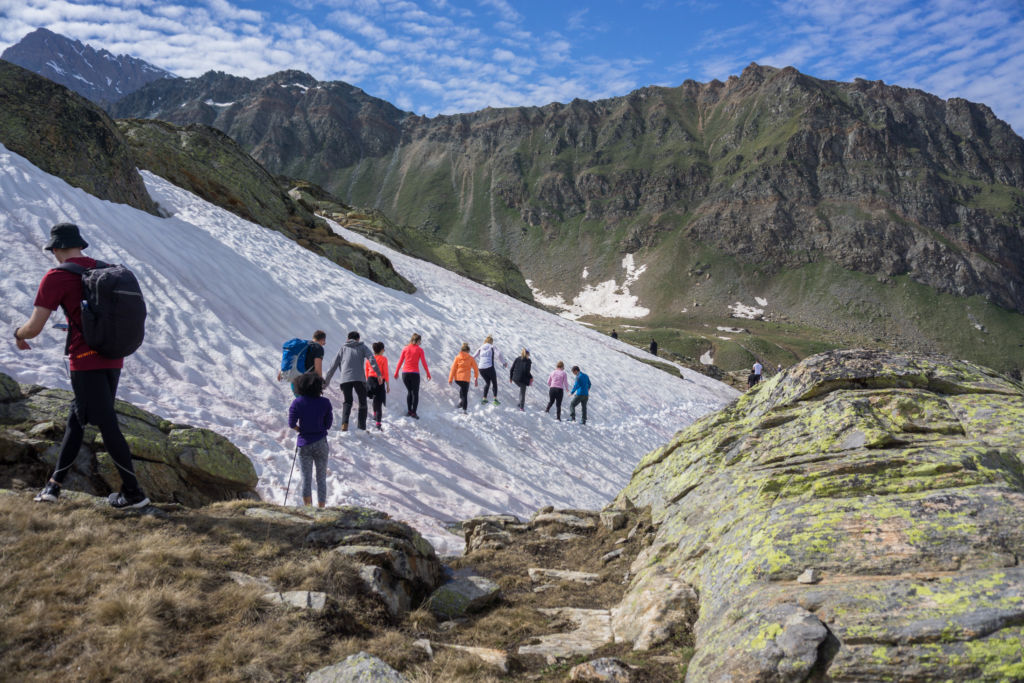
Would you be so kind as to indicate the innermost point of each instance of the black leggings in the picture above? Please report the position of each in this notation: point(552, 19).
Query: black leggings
point(463, 393)
point(411, 380)
point(555, 396)
point(490, 380)
point(378, 391)
point(522, 394)
point(94, 404)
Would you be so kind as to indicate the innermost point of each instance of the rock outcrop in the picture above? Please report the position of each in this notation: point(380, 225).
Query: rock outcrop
point(899, 479)
point(68, 136)
point(211, 165)
point(174, 463)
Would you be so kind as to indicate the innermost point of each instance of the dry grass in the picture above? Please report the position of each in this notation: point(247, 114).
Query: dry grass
point(89, 594)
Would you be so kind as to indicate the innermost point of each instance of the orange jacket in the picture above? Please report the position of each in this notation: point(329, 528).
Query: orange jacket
point(463, 368)
point(382, 363)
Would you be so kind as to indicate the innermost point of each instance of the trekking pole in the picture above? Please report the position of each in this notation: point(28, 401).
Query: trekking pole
point(294, 458)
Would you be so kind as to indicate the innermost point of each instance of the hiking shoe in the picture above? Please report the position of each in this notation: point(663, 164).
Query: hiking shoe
point(49, 494)
point(344, 426)
point(484, 400)
point(378, 427)
point(133, 500)
point(414, 416)
point(496, 402)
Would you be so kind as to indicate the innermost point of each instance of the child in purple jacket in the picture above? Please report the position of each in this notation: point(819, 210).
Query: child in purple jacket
point(558, 384)
point(311, 415)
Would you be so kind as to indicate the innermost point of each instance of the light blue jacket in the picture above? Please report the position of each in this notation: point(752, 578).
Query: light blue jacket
point(582, 385)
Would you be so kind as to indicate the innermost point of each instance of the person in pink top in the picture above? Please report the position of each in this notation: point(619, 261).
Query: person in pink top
point(558, 384)
point(409, 365)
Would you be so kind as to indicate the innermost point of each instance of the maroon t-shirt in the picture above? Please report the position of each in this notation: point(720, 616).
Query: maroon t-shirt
point(61, 288)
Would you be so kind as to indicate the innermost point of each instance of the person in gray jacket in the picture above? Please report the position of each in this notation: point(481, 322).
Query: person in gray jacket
point(351, 359)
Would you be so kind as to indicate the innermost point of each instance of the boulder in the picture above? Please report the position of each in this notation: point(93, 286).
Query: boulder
point(361, 667)
point(592, 630)
point(604, 669)
point(462, 596)
point(174, 463)
point(489, 532)
point(899, 477)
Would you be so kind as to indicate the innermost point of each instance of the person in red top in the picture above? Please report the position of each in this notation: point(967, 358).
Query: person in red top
point(409, 366)
point(94, 377)
point(378, 386)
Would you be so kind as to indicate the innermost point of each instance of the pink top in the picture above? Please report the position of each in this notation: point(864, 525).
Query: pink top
point(409, 361)
point(558, 380)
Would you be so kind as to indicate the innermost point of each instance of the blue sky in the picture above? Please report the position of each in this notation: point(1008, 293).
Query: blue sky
point(447, 56)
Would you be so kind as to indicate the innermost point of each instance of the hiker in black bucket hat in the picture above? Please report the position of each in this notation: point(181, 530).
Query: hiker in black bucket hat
point(94, 377)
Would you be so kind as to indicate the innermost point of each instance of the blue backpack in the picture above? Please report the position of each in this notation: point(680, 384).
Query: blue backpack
point(293, 358)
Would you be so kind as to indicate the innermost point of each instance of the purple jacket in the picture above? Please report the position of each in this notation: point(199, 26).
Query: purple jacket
point(313, 416)
point(558, 380)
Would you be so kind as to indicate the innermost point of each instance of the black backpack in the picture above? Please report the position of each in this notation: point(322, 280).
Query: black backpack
point(113, 310)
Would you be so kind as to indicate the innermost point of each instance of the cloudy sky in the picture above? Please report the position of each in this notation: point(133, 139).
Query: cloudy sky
point(447, 56)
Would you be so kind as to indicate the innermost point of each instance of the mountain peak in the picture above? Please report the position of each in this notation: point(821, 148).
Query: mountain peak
point(96, 74)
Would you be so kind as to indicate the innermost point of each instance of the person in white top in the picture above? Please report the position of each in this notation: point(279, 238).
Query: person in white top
point(758, 370)
point(487, 356)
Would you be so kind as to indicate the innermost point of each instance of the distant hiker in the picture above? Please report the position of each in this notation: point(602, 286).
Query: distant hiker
point(409, 365)
point(751, 380)
point(485, 357)
point(778, 369)
point(377, 388)
point(558, 384)
point(519, 374)
point(311, 415)
point(463, 367)
point(94, 377)
point(758, 371)
point(312, 359)
point(353, 377)
point(615, 335)
point(654, 347)
point(581, 393)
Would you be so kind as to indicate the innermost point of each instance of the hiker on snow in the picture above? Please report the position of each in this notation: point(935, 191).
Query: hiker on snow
point(519, 374)
point(94, 377)
point(485, 357)
point(350, 359)
point(313, 360)
point(377, 388)
point(311, 415)
point(463, 367)
point(558, 384)
point(581, 393)
point(409, 365)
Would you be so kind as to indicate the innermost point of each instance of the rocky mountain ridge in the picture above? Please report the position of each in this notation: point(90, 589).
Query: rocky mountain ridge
point(95, 74)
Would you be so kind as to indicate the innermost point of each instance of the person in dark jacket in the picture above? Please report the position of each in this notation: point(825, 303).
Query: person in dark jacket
point(654, 347)
point(519, 374)
point(311, 415)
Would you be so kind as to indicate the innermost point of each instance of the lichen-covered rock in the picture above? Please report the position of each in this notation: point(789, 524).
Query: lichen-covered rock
point(462, 596)
point(899, 478)
point(361, 667)
point(174, 463)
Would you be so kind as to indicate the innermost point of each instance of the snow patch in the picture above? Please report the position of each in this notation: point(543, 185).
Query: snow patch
point(734, 330)
point(218, 104)
point(606, 299)
point(707, 359)
point(760, 301)
point(53, 65)
point(586, 273)
point(741, 310)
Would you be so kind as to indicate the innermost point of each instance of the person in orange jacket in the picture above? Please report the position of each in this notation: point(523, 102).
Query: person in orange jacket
point(378, 386)
point(463, 367)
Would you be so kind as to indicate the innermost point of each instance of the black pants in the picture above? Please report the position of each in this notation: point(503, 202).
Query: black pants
point(463, 393)
point(582, 402)
point(555, 397)
point(490, 380)
point(346, 407)
point(379, 393)
point(411, 380)
point(94, 404)
point(522, 395)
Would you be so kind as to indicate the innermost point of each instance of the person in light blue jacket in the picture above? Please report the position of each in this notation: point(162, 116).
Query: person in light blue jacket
point(580, 392)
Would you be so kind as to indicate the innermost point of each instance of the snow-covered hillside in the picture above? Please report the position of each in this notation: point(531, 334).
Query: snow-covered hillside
point(224, 293)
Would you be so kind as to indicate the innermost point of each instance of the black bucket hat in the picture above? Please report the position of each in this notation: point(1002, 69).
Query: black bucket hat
point(65, 236)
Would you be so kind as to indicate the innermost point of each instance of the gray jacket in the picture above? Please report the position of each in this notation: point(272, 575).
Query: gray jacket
point(350, 359)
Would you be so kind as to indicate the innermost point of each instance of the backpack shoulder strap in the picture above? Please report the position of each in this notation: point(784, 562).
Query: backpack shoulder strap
point(73, 267)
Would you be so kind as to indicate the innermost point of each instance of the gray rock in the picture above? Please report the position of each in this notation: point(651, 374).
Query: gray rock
point(496, 658)
point(361, 667)
point(604, 669)
point(539, 574)
point(243, 579)
point(555, 522)
point(612, 555)
point(809, 576)
point(613, 520)
point(310, 600)
point(593, 630)
point(462, 596)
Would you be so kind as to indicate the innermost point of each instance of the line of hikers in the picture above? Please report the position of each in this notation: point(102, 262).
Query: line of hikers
point(365, 374)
